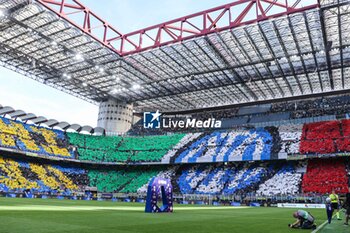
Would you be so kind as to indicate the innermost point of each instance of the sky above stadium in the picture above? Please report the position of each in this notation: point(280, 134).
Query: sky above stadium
point(23, 93)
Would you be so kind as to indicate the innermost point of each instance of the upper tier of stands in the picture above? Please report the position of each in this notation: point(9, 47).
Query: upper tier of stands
point(31, 138)
point(123, 149)
point(301, 111)
point(326, 137)
point(239, 144)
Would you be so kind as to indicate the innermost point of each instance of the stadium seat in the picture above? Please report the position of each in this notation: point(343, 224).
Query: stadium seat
point(13, 178)
point(290, 139)
point(122, 149)
point(246, 178)
point(324, 175)
point(190, 178)
point(222, 179)
point(30, 138)
point(240, 144)
point(214, 182)
point(167, 174)
point(285, 182)
point(20, 175)
point(325, 137)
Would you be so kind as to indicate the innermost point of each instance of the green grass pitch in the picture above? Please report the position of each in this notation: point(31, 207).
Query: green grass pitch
point(36, 216)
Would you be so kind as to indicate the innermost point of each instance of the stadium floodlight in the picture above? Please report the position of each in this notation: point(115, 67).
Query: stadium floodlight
point(136, 86)
point(100, 69)
point(53, 43)
point(284, 59)
point(79, 57)
point(116, 90)
point(66, 76)
point(2, 13)
point(116, 78)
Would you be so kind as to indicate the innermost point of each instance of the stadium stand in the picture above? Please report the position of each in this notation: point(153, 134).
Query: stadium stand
point(139, 180)
point(214, 182)
point(226, 179)
point(167, 174)
point(270, 117)
point(30, 138)
point(259, 178)
point(12, 178)
point(188, 138)
point(21, 175)
point(236, 145)
point(266, 179)
point(285, 182)
point(126, 181)
point(190, 178)
point(325, 137)
point(246, 179)
point(324, 175)
point(239, 144)
point(122, 149)
point(296, 112)
point(290, 138)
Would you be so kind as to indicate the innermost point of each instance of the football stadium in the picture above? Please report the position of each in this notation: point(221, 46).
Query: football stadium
point(232, 119)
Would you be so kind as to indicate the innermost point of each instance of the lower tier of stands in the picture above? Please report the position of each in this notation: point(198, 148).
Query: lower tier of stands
point(324, 176)
point(17, 176)
point(259, 178)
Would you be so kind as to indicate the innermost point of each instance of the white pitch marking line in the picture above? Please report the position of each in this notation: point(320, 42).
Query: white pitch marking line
point(91, 208)
point(321, 226)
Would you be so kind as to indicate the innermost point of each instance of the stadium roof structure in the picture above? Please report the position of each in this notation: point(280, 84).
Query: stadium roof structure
point(9, 112)
point(242, 52)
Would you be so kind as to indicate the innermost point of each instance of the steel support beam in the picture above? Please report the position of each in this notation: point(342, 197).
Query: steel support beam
point(199, 24)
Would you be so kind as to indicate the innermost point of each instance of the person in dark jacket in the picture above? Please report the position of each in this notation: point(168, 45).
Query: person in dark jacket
point(347, 206)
